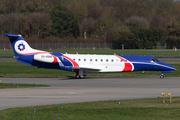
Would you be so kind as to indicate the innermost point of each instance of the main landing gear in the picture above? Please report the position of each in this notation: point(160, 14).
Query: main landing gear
point(161, 76)
point(79, 76)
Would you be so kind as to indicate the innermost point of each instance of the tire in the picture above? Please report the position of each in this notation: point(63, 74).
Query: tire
point(161, 76)
point(77, 76)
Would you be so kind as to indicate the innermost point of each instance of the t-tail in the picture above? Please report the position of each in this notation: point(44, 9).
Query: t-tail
point(25, 54)
point(20, 46)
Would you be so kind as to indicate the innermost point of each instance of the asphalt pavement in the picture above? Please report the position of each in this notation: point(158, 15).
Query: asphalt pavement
point(70, 90)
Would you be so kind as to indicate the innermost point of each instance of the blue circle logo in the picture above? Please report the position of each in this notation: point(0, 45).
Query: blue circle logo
point(21, 47)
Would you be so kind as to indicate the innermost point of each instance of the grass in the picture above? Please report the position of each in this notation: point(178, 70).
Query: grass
point(8, 85)
point(139, 109)
point(12, 68)
point(148, 52)
point(5, 53)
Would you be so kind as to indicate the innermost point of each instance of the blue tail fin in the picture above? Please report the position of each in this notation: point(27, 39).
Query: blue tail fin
point(20, 46)
point(13, 39)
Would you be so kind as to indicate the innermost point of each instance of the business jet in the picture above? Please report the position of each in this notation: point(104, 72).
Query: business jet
point(83, 64)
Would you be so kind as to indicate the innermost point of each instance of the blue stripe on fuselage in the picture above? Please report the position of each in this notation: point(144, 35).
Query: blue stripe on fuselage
point(138, 58)
point(57, 54)
point(65, 61)
point(144, 63)
point(140, 62)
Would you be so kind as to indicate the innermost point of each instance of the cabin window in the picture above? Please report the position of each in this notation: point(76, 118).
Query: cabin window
point(125, 60)
point(106, 60)
point(96, 60)
point(84, 60)
point(74, 59)
point(101, 60)
point(79, 59)
point(112, 60)
point(90, 60)
point(121, 60)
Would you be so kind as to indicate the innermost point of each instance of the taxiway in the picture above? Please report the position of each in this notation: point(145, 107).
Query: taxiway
point(70, 90)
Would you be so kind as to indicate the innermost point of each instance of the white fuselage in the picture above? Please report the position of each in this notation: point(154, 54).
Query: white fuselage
point(106, 63)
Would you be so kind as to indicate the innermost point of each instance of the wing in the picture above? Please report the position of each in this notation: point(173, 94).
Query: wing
point(83, 68)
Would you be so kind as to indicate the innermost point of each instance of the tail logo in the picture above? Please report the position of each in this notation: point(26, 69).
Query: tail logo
point(21, 47)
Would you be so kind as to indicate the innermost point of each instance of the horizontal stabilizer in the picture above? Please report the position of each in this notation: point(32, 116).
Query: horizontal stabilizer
point(11, 35)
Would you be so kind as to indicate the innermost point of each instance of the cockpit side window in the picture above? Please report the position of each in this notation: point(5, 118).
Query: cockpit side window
point(155, 60)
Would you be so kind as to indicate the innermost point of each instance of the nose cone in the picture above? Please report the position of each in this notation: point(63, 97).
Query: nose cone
point(166, 67)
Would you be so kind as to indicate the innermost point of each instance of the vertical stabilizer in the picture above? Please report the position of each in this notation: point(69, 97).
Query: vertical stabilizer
point(20, 46)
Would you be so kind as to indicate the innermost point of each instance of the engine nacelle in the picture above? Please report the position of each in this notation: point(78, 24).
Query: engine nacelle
point(47, 58)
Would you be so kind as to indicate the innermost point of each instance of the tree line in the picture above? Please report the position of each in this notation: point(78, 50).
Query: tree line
point(132, 24)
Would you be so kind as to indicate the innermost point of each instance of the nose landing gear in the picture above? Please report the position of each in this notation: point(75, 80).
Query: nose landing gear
point(161, 76)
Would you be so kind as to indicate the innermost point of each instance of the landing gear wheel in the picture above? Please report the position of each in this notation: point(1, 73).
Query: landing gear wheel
point(77, 76)
point(81, 76)
point(161, 76)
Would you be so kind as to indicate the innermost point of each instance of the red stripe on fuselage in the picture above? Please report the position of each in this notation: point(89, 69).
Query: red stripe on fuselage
point(127, 66)
point(121, 58)
point(55, 59)
point(32, 53)
point(72, 61)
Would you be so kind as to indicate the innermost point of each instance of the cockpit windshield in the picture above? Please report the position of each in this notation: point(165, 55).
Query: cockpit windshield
point(155, 60)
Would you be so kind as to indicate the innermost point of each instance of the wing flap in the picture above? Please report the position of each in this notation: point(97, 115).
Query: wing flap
point(84, 68)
